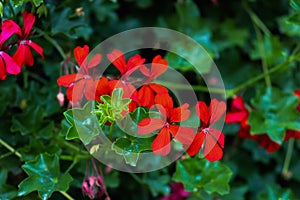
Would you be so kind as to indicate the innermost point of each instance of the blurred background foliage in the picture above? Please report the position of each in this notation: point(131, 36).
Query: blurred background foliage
point(233, 32)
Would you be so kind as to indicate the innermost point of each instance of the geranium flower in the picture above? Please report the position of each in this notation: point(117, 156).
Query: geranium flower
point(146, 94)
point(208, 138)
point(239, 114)
point(7, 64)
point(117, 58)
point(167, 125)
point(81, 83)
point(23, 55)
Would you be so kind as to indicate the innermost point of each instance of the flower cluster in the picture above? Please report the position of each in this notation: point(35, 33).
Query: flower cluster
point(143, 92)
point(239, 114)
point(23, 55)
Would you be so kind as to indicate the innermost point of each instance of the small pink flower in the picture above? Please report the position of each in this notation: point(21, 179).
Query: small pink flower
point(60, 98)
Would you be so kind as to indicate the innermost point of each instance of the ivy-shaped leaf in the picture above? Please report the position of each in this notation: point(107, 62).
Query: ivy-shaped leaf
point(130, 148)
point(199, 174)
point(81, 123)
point(6, 191)
point(274, 113)
point(44, 176)
point(275, 193)
point(37, 3)
point(32, 122)
point(62, 24)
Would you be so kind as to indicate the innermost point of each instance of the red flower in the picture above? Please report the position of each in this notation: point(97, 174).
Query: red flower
point(146, 94)
point(23, 55)
point(239, 114)
point(211, 138)
point(81, 83)
point(117, 58)
point(166, 125)
point(7, 64)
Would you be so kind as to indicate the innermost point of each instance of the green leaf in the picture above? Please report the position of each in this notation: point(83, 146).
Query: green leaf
point(1, 9)
point(199, 174)
point(37, 3)
point(44, 176)
point(61, 23)
point(271, 47)
point(32, 122)
point(17, 3)
point(6, 191)
point(105, 10)
point(130, 148)
point(275, 193)
point(158, 183)
point(295, 4)
point(274, 113)
point(82, 123)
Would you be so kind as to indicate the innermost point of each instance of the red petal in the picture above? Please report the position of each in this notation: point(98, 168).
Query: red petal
point(3, 72)
point(244, 131)
point(95, 61)
point(297, 93)
point(28, 21)
point(145, 70)
point(214, 142)
point(67, 80)
point(145, 96)
point(36, 47)
point(218, 135)
point(292, 134)
point(74, 93)
point(23, 55)
point(149, 125)
point(202, 112)
point(81, 54)
point(180, 114)
point(90, 89)
point(11, 66)
point(196, 144)
point(265, 142)
point(217, 109)
point(236, 117)
point(158, 67)
point(135, 61)
point(164, 100)
point(185, 135)
point(9, 27)
point(102, 88)
point(158, 89)
point(117, 58)
point(238, 104)
point(161, 144)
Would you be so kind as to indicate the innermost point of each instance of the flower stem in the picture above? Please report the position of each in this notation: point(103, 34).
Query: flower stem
point(10, 148)
point(53, 42)
point(287, 160)
point(111, 130)
point(66, 195)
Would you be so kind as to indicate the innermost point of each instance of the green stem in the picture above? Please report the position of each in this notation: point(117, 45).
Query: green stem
point(66, 195)
point(198, 88)
point(255, 19)
point(78, 157)
point(262, 51)
point(38, 78)
point(72, 165)
point(10, 148)
point(6, 155)
point(253, 80)
point(288, 157)
point(25, 79)
point(111, 130)
point(53, 42)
